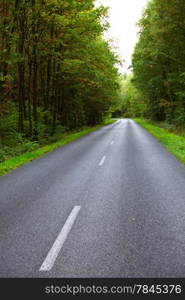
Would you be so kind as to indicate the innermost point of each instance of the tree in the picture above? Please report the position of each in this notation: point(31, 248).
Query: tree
point(158, 60)
point(56, 69)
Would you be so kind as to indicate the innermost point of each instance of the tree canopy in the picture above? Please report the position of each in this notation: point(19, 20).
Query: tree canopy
point(56, 70)
point(158, 60)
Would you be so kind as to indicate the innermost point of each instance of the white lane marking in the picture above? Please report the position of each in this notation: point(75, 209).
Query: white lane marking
point(112, 143)
point(59, 242)
point(102, 161)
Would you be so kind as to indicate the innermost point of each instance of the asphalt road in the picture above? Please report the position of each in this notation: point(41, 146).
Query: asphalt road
point(111, 204)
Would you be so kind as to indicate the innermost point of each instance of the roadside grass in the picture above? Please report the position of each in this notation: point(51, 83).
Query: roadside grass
point(174, 143)
point(17, 161)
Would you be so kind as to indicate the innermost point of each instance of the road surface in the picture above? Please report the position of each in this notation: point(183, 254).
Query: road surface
point(111, 204)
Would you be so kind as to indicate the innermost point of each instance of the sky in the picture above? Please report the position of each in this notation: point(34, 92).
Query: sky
point(124, 14)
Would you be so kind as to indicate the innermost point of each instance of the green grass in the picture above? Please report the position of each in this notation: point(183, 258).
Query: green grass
point(17, 161)
point(174, 143)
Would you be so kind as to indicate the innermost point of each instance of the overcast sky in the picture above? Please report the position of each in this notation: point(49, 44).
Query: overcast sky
point(124, 14)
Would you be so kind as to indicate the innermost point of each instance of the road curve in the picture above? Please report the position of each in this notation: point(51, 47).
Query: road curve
point(111, 204)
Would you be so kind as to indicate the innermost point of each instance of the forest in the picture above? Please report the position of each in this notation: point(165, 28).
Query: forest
point(57, 72)
point(156, 88)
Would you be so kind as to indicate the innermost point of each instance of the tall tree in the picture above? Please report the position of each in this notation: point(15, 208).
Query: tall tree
point(56, 69)
point(158, 60)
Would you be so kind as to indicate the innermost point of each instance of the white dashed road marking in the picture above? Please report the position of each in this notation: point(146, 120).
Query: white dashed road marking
point(102, 161)
point(59, 242)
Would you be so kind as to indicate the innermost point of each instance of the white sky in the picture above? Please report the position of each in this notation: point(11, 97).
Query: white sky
point(124, 14)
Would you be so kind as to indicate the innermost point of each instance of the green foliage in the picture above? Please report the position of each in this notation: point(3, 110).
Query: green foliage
point(131, 103)
point(174, 143)
point(158, 61)
point(8, 126)
point(19, 160)
point(57, 73)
